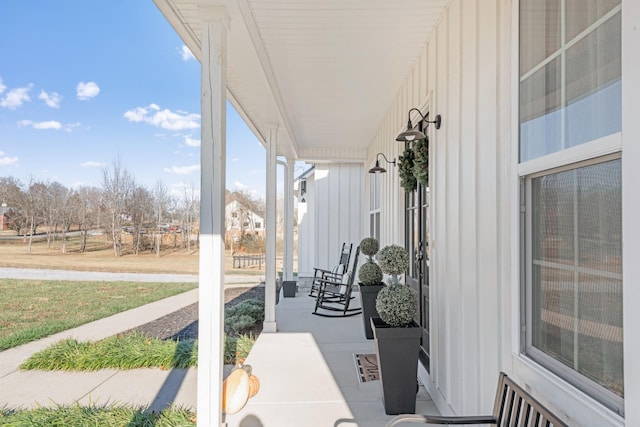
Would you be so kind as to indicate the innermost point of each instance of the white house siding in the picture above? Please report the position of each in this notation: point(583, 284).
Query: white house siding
point(458, 76)
point(467, 72)
point(334, 213)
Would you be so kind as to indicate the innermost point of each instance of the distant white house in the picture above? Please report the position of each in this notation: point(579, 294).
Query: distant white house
point(239, 217)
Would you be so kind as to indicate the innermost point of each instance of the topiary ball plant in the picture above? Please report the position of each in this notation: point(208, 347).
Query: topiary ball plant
point(397, 305)
point(393, 260)
point(370, 274)
point(369, 246)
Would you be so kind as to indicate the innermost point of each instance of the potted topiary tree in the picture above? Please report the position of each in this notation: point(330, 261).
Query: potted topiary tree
point(397, 335)
point(370, 281)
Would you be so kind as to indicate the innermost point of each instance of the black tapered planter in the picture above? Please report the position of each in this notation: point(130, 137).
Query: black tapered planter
point(289, 288)
point(398, 349)
point(368, 295)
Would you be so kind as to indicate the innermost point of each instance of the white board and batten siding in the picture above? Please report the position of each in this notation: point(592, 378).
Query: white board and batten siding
point(458, 76)
point(465, 73)
point(332, 214)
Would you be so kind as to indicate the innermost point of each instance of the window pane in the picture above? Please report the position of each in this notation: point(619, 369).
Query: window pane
point(540, 119)
point(553, 215)
point(570, 74)
point(600, 331)
point(539, 32)
point(583, 13)
point(594, 105)
point(553, 308)
point(600, 208)
point(576, 271)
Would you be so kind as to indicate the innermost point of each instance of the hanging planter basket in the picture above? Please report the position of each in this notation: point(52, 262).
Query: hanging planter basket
point(406, 170)
point(421, 161)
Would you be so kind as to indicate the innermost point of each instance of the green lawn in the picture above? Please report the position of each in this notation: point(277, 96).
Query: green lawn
point(32, 309)
point(102, 416)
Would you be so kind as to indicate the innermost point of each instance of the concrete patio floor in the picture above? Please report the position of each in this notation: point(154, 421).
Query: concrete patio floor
point(308, 375)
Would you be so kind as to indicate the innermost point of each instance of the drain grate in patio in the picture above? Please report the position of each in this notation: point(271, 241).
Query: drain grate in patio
point(367, 367)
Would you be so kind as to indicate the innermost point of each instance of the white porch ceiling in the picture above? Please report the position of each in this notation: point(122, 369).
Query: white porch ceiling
point(324, 72)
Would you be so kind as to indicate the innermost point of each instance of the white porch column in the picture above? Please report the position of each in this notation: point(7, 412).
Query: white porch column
point(215, 22)
point(269, 324)
point(288, 219)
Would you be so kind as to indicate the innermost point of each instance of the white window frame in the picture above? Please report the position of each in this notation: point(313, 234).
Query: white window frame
point(609, 398)
point(547, 386)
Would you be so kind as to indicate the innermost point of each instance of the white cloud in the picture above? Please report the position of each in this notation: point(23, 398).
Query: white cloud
point(191, 142)
point(6, 160)
point(186, 53)
point(235, 159)
point(136, 115)
point(92, 164)
point(165, 119)
point(2, 86)
point(51, 99)
point(51, 124)
point(70, 126)
point(86, 91)
point(183, 170)
point(16, 97)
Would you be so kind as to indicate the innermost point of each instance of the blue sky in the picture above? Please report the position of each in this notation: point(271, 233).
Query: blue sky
point(83, 83)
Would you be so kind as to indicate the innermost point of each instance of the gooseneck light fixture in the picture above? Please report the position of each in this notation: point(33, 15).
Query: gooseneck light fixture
point(379, 169)
point(412, 134)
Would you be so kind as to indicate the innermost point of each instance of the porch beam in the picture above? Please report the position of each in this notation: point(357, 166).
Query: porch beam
point(269, 324)
point(215, 23)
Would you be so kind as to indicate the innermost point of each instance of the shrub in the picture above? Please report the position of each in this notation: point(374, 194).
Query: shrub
point(370, 274)
point(397, 305)
point(393, 260)
point(369, 246)
point(241, 318)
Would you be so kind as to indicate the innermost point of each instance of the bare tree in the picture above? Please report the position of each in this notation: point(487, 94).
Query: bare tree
point(140, 210)
point(86, 211)
point(190, 206)
point(11, 199)
point(117, 185)
point(161, 202)
point(57, 212)
point(32, 207)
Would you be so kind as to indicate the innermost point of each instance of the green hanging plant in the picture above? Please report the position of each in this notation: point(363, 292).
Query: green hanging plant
point(406, 165)
point(421, 162)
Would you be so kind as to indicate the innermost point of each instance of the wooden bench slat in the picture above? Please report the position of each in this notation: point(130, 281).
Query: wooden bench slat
point(513, 407)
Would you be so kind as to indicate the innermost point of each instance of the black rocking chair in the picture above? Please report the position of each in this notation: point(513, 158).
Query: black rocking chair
point(335, 274)
point(335, 297)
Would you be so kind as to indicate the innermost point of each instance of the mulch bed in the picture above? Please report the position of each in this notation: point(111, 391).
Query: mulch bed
point(183, 324)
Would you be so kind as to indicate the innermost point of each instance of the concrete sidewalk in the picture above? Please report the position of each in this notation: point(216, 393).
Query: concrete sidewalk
point(44, 274)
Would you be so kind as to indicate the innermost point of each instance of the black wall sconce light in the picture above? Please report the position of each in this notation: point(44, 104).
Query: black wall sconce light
point(303, 189)
point(379, 169)
point(412, 134)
